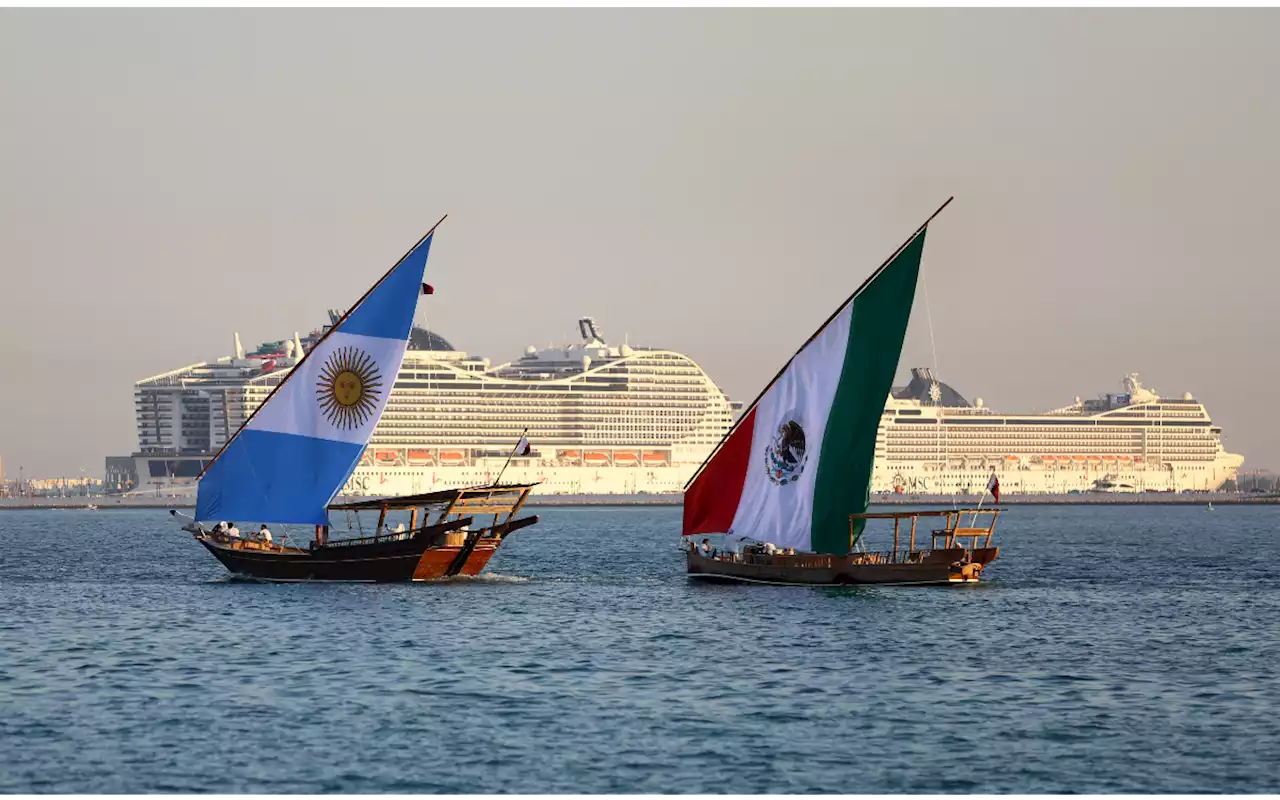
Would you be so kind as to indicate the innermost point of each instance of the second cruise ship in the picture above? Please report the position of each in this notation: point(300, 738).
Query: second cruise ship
point(933, 441)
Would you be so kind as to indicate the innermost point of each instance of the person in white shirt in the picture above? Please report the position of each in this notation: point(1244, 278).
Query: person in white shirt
point(706, 548)
point(232, 531)
point(264, 535)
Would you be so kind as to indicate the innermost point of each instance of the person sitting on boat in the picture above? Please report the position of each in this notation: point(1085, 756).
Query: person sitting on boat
point(707, 550)
point(219, 530)
point(264, 535)
point(232, 531)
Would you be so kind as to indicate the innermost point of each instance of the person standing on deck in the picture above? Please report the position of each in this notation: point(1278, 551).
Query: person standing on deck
point(264, 535)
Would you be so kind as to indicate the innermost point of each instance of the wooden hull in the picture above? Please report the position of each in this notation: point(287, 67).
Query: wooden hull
point(372, 563)
point(924, 568)
point(423, 556)
point(435, 562)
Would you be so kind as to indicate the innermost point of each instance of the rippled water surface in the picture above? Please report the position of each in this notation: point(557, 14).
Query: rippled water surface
point(1114, 649)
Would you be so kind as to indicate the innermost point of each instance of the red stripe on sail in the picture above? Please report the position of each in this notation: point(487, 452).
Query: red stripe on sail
point(712, 501)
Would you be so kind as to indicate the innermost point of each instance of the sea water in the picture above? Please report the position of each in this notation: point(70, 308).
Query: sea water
point(1131, 649)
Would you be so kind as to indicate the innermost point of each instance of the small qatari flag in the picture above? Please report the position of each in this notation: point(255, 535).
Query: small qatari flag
point(428, 289)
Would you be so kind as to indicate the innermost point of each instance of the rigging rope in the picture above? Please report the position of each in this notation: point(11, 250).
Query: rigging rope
point(928, 313)
point(933, 346)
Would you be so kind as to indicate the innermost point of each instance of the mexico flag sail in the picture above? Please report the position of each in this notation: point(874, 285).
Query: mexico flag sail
point(293, 454)
point(798, 462)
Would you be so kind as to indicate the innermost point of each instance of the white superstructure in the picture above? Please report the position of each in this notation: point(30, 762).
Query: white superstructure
point(606, 419)
point(601, 419)
point(932, 441)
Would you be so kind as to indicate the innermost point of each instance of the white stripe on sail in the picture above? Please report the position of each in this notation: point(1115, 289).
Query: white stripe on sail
point(340, 393)
point(777, 507)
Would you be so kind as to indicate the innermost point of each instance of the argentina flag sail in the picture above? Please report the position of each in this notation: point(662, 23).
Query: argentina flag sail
point(293, 454)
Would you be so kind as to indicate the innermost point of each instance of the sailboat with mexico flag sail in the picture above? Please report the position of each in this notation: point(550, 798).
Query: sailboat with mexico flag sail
point(287, 462)
point(791, 480)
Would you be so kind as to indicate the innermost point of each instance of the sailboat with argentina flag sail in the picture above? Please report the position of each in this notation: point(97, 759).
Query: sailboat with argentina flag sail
point(287, 462)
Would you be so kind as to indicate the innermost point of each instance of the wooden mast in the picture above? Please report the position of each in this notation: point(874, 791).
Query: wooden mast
point(510, 456)
point(747, 411)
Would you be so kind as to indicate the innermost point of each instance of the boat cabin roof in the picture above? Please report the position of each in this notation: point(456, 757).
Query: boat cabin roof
point(944, 512)
point(513, 491)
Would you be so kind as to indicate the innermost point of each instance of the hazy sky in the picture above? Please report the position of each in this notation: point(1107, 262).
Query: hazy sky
point(709, 181)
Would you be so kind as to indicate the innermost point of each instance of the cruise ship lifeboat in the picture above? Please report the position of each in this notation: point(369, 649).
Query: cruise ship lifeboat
point(420, 458)
point(625, 459)
point(596, 458)
point(452, 458)
point(1109, 459)
point(387, 458)
point(1010, 459)
point(1049, 461)
point(653, 459)
point(366, 458)
point(570, 457)
point(1126, 460)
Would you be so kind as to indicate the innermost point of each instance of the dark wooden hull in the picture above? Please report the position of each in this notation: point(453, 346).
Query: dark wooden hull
point(372, 563)
point(422, 556)
point(924, 568)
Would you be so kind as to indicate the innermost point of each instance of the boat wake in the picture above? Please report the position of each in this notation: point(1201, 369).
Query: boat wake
point(484, 577)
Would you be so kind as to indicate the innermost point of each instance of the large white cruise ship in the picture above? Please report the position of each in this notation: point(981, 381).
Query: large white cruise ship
point(608, 419)
point(933, 441)
point(601, 419)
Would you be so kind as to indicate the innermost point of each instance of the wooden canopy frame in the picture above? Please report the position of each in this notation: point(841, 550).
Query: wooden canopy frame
point(457, 508)
point(949, 532)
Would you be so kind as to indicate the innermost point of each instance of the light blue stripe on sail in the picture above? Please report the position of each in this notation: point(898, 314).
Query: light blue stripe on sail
point(384, 313)
point(275, 477)
point(267, 474)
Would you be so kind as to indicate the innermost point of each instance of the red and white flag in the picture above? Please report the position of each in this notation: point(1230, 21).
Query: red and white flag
point(993, 486)
point(522, 449)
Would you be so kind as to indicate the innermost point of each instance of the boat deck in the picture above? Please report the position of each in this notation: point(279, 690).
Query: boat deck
point(947, 561)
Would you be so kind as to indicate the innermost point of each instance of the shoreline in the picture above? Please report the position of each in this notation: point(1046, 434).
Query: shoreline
point(639, 501)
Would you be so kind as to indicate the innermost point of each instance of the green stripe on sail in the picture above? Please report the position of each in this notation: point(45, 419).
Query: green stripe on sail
point(876, 331)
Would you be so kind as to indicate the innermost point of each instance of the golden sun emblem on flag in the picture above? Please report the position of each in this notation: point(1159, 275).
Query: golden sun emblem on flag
point(348, 388)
